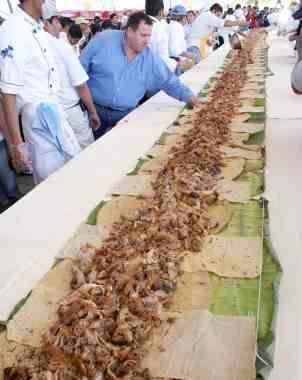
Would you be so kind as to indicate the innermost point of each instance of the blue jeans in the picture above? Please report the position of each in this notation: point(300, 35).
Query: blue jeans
point(196, 52)
point(8, 183)
point(109, 118)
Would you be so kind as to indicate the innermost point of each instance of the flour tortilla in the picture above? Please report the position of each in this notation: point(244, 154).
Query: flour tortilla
point(159, 151)
point(201, 345)
point(250, 94)
point(232, 168)
point(250, 128)
point(40, 310)
point(232, 257)
point(220, 215)
point(180, 130)
point(136, 185)
point(239, 152)
point(239, 138)
point(154, 165)
point(193, 290)
point(241, 118)
point(85, 235)
point(234, 191)
point(251, 109)
point(11, 353)
point(114, 209)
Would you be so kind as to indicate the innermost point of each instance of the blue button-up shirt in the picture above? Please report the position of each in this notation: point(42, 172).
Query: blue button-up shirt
point(120, 84)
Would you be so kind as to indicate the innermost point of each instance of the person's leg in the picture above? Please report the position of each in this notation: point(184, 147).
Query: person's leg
point(79, 123)
point(114, 116)
point(8, 183)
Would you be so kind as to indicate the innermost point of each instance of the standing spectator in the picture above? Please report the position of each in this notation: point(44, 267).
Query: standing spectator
point(66, 23)
point(177, 41)
point(204, 26)
point(188, 26)
point(115, 22)
point(74, 37)
point(159, 42)
point(239, 13)
point(74, 92)
point(122, 68)
point(227, 32)
point(29, 84)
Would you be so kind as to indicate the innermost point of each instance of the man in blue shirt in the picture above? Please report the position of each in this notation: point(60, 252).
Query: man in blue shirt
point(122, 68)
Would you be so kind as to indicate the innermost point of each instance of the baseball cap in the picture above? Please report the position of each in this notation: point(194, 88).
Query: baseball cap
point(179, 10)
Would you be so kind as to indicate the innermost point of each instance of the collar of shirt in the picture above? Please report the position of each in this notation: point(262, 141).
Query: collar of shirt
point(34, 25)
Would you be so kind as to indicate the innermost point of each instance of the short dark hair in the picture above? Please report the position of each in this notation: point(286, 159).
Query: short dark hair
point(75, 31)
point(216, 8)
point(238, 6)
point(153, 7)
point(136, 18)
point(95, 28)
point(65, 21)
point(113, 15)
point(106, 25)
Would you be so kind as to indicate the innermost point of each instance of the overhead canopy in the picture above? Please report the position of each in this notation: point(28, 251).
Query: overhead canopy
point(101, 5)
point(125, 4)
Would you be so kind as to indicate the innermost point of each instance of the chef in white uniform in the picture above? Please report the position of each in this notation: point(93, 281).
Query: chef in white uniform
point(29, 84)
point(159, 42)
point(73, 87)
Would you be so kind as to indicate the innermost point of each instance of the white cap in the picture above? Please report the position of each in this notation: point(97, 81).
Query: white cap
point(49, 9)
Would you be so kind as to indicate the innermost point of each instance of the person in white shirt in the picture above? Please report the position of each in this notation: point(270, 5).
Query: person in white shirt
point(239, 13)
point(65, 22)
point(29, 83)
point(188, 26)
point(176, 32)
point(177, 40)
point(228, 31)
point(73, 87)
point(159, 42)
point(204, 26)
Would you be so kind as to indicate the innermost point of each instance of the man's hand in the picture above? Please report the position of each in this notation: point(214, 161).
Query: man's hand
point(193, 102)
point(21, 158)
point(94, 121)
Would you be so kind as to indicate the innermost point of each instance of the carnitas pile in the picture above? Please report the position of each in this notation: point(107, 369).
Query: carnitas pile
point(121, 289)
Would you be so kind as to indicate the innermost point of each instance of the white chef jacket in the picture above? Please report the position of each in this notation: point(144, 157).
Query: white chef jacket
point(239, 15)
point(228, 30)
point(159, 42)
point(71, 72)
point(203, 26)
point(177, 41)
point(27, 66)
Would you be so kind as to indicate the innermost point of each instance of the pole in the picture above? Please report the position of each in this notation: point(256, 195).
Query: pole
point(10, 6)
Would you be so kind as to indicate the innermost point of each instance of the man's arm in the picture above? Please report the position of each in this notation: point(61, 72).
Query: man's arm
point(229, 23)
point(11, 118)
point(164, 79)
point(85, 95)
point(18, 149)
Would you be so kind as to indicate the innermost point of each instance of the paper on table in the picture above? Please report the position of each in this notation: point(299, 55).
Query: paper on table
point(40, 310)
point(203, 346)
point(232, 257)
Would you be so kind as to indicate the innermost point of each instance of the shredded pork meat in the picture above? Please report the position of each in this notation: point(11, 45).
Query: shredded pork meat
point(121, 289)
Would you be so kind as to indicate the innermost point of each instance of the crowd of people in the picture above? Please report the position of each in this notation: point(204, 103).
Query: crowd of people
point(65, 83)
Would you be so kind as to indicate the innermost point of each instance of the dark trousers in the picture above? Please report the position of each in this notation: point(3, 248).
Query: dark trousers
point(8, 185)
point(109, 118)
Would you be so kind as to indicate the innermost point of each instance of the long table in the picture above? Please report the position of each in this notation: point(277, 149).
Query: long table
point(283, 189)
point(33, 231)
